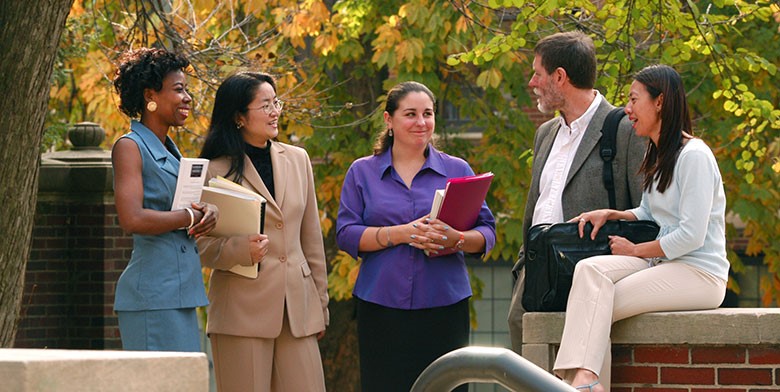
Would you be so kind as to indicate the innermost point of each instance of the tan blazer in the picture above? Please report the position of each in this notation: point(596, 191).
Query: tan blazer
point(293, 270)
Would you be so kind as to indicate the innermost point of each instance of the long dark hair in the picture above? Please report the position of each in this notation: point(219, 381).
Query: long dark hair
point(141, 69)
point(384, 141)
point(675, 121)
point(224, 138)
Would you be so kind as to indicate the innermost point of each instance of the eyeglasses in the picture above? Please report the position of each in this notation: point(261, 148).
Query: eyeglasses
point(269, 107)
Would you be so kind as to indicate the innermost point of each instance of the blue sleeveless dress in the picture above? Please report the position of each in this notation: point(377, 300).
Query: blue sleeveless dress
point(162, 285)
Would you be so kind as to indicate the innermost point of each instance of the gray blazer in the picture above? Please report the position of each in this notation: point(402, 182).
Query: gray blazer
point(584, 189)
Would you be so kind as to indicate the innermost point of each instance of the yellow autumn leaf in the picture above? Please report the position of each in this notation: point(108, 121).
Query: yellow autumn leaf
point(353, 274)
point(343, 268)
point(489, 78)
point(462, 25)
point(326, 223)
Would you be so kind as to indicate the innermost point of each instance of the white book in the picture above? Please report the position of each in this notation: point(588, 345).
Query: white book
point(437, 199)
point(189, 185)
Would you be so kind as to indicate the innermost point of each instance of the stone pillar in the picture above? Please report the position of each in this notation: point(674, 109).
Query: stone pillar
point(78, 250)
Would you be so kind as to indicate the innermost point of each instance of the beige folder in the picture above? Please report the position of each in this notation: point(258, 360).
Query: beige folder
point(240, 213)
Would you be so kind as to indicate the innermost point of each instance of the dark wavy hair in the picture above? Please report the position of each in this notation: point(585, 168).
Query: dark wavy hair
point(574, 52)
point(141, 69)
point(384, 141)
point(223, 138)
point(675, 122)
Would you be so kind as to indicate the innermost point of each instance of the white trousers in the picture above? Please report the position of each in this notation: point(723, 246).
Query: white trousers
point(610, 288)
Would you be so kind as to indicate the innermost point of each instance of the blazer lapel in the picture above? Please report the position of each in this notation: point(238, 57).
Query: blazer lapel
point(280, 166)
point(590, 139)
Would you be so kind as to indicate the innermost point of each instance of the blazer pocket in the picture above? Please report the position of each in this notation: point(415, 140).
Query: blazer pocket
point(305, 269)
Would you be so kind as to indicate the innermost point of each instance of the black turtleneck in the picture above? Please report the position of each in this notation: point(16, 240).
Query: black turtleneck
point(261, 160)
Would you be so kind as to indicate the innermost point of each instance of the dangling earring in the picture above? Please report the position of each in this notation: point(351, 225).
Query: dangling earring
point(390, 132)
point(151, 106)
point(239, 125)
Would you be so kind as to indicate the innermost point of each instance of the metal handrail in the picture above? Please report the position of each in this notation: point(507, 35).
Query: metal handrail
point(486, 365)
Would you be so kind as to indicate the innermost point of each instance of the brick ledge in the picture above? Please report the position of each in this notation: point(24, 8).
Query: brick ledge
point(711, 327)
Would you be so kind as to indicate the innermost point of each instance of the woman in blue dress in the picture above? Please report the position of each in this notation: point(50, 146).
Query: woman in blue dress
point(159, 291)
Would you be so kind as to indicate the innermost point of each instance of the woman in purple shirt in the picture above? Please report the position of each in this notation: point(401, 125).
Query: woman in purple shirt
point(411, 309)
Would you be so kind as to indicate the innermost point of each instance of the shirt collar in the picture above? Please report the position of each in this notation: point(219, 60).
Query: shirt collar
point(433, 161)
point(582, 122)
point(158, 150)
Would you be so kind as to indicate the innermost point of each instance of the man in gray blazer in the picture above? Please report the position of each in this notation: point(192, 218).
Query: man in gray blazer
point(567, 166)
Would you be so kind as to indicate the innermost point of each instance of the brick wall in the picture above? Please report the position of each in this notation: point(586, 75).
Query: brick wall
point(725, 349)
point(78, 252)
point(695, 368)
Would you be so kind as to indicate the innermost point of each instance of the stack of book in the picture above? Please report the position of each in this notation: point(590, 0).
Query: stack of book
point(459, 203)
point(241, 212)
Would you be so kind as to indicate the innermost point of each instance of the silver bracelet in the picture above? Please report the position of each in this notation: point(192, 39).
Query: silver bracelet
point(192, 217)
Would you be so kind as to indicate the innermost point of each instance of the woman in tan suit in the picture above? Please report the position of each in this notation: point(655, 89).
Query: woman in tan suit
point(264, 331)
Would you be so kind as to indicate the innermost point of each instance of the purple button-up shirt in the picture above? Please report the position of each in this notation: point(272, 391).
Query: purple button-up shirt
point(401, 276)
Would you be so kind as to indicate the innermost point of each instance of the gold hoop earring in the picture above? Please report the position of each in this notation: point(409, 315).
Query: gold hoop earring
point(151, 106)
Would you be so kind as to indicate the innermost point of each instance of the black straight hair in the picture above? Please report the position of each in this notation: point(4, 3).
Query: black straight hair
point(224, 137)
point(660, 160)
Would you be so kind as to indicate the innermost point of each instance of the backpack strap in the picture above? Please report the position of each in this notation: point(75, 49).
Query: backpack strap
point(607, 149)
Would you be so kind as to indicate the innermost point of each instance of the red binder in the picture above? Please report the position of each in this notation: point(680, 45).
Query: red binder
point(460, 203)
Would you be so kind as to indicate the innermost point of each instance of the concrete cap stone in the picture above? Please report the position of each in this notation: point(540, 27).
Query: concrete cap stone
point(748, 326)
point(43, 370)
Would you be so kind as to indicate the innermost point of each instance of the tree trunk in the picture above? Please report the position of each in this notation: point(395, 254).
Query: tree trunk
point(29, 36)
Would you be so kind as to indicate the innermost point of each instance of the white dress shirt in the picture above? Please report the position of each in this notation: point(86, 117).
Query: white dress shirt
point(549, 206)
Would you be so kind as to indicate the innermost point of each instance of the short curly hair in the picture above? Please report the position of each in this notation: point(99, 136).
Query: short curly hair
point(141, 69)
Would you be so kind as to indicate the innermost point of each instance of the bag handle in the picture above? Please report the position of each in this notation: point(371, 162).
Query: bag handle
point(607, 149)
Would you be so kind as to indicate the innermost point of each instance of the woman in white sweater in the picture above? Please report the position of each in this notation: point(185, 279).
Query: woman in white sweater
point(685, 268)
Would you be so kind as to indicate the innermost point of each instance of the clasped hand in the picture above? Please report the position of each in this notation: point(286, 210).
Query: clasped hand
point(206, 215)
point(432, 235)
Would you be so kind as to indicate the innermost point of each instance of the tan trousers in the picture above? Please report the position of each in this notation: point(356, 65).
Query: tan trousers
point(606, 289)
point(284, 364)
point(516, 312)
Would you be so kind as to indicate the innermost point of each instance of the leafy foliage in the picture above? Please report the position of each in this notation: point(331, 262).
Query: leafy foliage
point(336, 59)
point(719, 49)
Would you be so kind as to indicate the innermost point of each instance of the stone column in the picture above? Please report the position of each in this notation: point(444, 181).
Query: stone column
point(78, 250)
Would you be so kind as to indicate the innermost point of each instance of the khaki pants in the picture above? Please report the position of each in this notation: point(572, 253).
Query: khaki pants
point(606, 289)
point(516, 312)
point(284, 364)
